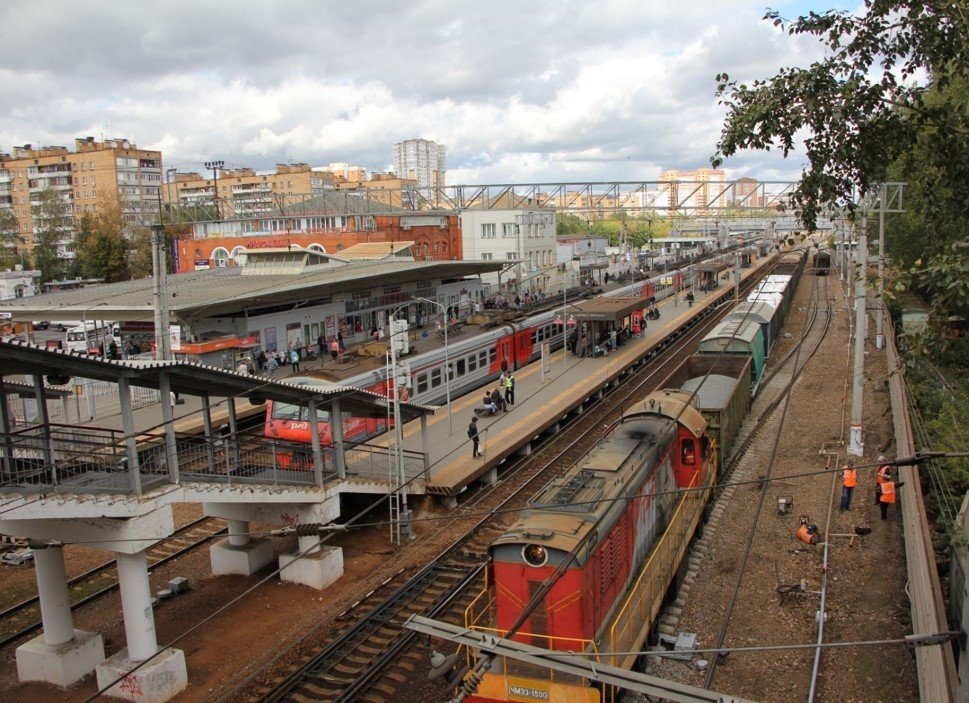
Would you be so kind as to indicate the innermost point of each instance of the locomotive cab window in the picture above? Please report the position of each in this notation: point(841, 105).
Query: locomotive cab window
point(688, 452)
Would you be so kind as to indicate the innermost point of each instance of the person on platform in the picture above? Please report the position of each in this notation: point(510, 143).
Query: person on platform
point(473, 436)
point(334, 348)
point(883, 468)
point(849, 479)
point(294, 359)
point(887, 496)
point(498, 401)
point(339, 341)
point(321, 343)
point(489, 404)
point(510, 389)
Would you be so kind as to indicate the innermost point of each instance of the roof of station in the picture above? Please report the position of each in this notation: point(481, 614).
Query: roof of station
point(226, 291)
point(19, 358)
point(607, 309)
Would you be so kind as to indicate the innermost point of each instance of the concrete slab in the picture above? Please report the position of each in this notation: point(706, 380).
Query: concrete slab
point(244, 559)
point(317, 570)
point(161, 679)
point(60, 664)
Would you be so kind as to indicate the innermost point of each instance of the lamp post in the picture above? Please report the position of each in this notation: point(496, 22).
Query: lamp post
point(447, 361)
point(215, 167)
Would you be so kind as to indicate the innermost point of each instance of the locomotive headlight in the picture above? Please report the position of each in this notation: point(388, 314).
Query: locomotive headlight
point(535, 554)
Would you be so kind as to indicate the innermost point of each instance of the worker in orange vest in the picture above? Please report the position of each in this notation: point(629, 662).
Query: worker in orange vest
point(849, 479)
point(887, 496)
point(807, 533)
point(883, 470)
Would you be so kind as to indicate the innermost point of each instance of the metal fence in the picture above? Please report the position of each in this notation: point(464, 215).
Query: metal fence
point(80, 459)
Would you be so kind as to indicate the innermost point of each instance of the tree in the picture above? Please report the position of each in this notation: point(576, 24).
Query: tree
point(10, 242)
point(102, 250)
point(862, 105)
point(52, 228)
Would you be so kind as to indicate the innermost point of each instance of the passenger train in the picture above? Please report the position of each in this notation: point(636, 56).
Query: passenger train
point(474, 362)
point(590, 561)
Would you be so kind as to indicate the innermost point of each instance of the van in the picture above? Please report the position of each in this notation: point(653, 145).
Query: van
point(91, 335)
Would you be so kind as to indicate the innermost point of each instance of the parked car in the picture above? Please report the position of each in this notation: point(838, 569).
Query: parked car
point(41, 324)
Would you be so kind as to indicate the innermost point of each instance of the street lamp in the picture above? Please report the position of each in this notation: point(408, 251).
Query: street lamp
point(447, 361)
point(215, 167)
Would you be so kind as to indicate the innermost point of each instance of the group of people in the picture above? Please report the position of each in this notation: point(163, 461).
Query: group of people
point(499, 399)
point(885, 485)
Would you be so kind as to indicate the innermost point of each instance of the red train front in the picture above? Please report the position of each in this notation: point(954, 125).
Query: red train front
point(605, 519)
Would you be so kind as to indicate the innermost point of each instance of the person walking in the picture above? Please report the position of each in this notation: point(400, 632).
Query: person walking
point(883, 468)
point(294, 360)
point(849, 479)
point(334, 348)
point(510, 389)
point(887, 496)
point(321, 343)
point(339, 341)
point(473, 436)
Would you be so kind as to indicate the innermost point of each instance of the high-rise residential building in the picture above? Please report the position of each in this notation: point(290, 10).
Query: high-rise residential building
point(695, 191)
point(421, 161)
point(243, 192)
point(81, 178)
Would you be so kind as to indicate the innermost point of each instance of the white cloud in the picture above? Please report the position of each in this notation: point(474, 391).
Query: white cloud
point(517, 92)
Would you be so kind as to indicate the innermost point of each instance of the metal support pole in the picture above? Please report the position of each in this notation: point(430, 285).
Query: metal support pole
point(856, 441)
point(315, 441)
point(171, 451)
point(879, 308)
point(131, 446)
point(336, 432)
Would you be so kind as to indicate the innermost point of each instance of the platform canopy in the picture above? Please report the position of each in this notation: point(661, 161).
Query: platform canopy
point(20, 358)
point(607, 310)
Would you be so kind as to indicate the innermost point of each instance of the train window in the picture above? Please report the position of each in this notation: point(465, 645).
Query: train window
point(483, 359)
point(492, 355)
point(689, 452)
point(435, 378)
point(460, 367)
point(534, 554)
point(422, 383)
point(472, 363)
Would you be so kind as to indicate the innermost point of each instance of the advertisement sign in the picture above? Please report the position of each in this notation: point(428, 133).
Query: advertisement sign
point(175, 337)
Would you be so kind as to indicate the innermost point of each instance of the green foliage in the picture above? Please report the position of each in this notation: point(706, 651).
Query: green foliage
point(102, 250)
point(861, 105)
point(52, 225)
point(10, 242)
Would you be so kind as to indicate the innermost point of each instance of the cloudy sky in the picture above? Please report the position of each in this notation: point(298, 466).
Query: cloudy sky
point(523, 91)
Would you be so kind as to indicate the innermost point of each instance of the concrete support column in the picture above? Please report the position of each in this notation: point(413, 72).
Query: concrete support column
point(55, 604)
point(238, 533)
point(425, 443)
point(139, 620)
point(309, 544)
point(315, 443)
point(336, 432)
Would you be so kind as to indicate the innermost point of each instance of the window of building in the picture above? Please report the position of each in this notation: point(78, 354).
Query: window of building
point(487, 256)
point(239, 255)
point(509, 229)
point(220, 257)
point(489, 230)
point(511, 255)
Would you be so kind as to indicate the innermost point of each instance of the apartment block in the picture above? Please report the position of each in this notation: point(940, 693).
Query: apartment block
point(422, 161)
point(697, 191)
point(241, 192)
point(81, 177)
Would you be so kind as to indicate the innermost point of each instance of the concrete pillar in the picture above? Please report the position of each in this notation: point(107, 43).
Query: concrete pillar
point(336, 432)
point(61, 655)
point(490, 476)
point(139, 620)
point(239, 554)
point(425, 443)
point(55, 604)
point(238, 533)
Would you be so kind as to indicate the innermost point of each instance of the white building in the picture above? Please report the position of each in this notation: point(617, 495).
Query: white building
point(422, 161)
point(18, 284)
point(526, 237)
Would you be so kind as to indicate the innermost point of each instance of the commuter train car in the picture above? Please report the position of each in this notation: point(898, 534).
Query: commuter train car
point(292, 422)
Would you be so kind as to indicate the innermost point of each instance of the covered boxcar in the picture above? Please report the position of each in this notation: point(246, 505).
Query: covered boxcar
point(720, 384)
point(764, 314)
point(738, 337)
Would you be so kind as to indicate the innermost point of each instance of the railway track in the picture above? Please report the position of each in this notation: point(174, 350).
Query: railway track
point(23, 618)
point(773, 393)
point(373, 659)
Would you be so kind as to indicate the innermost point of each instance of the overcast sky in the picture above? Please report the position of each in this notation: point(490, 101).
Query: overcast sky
point(517, 92)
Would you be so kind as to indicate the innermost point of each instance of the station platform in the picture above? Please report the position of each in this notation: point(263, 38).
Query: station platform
point(541, 400)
